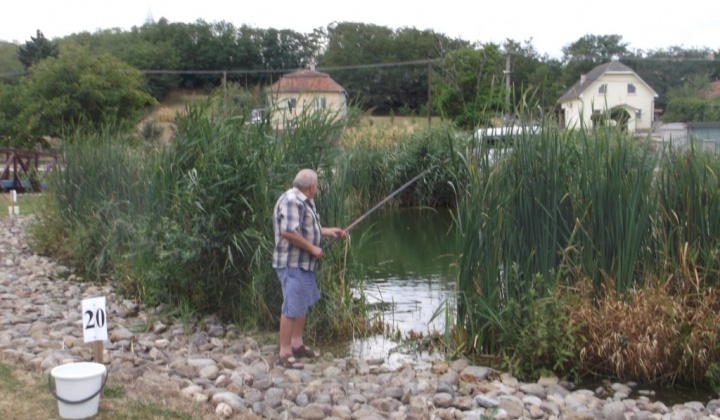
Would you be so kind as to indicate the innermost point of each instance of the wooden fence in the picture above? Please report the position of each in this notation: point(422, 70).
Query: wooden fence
point(26, 169)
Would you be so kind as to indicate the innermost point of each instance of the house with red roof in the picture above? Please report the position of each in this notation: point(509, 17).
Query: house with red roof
point(609, 92)
point(304, 92)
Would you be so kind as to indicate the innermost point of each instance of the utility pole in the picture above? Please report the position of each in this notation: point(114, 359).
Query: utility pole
point(429, 102)
point(225, 91)
point(507, 87)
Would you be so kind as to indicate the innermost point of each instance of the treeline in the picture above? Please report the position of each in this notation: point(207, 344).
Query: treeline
point(385, 70)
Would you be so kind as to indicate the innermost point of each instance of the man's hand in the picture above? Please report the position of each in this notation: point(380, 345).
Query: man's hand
point(333, 231)
point(316, 252)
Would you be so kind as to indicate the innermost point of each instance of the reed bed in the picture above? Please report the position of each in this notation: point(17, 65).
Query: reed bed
point(189, 225)
point(557, 237)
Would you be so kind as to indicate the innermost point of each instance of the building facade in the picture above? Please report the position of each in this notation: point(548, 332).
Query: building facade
point(611, 93)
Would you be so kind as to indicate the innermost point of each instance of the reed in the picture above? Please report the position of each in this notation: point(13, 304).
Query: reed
point(535, 219)
point(189, 224)
point(686, 227)
point(381, 165)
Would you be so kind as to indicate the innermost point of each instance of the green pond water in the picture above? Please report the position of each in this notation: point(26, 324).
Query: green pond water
point(406, 258)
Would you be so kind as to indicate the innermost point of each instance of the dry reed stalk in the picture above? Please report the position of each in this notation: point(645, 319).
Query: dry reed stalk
point(652, 336)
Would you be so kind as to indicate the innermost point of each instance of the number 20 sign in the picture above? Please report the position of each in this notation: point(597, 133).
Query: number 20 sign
point(94, 319)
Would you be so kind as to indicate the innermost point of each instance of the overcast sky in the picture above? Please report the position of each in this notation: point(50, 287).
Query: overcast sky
point(551, 24)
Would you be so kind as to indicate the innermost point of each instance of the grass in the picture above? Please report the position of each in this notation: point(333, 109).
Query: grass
point(29, 203)
point(401, 123)
point(24, 395)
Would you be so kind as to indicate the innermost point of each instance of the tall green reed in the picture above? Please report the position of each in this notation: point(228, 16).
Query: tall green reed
point(190, 223)
point(687, 227)
point(555, 208)
point(611, 193)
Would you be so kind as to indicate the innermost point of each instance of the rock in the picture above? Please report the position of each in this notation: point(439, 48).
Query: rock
point(209, 372)
point(311, 412)
point(121, 333)
point(614, 411)
point(487, 402)
point(534, 389)
point(230, 399)
point(443, 399)
point(475, 373)
point(223, 410)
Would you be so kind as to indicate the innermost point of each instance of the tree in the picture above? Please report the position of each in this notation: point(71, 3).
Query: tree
point(670, 68)
point(389, 87)
point(691, 102)
point(36, 49)
point(533, 76)
point(469, 85)
point(77, 89)
point(9, 62)
point(136, 50)
point(588, 52)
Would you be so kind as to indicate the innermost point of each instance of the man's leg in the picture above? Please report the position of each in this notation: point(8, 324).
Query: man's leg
point(287, 327)
point(285, 354)
point(298, 346)
point(297, 332)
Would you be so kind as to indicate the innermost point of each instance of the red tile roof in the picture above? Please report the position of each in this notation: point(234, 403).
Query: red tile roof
point(306, 81)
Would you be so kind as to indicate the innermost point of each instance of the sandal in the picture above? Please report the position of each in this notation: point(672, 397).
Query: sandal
point(289, 362)
point(305, 351)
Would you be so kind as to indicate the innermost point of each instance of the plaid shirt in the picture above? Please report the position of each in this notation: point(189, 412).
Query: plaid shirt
point(295, 213)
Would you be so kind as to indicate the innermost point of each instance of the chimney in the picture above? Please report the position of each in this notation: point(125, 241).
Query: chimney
point(312, 66)
point(582, 78)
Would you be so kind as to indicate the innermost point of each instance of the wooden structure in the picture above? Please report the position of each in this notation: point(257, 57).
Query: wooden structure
point(25, 169)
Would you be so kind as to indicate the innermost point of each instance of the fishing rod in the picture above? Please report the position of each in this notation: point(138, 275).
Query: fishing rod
point(378, 205)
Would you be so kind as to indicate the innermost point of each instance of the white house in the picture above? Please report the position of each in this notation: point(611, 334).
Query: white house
point(610, 91)
point(304, 92)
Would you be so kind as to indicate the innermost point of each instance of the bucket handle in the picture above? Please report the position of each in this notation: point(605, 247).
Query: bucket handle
point(57, 397)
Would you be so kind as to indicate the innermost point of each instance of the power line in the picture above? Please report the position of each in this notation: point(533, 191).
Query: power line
point(260, 71)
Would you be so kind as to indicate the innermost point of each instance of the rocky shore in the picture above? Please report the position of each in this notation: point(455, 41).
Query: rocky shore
point(210, 363)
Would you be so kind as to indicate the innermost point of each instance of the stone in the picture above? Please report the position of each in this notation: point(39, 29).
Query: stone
point(487, 402)
point(311, 412)
point(614, 411)
point(443, 399)
point(121, 333)
point(475, 373)
point(230, 399)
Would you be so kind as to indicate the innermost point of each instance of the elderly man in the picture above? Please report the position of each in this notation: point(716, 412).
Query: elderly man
point(295, 259)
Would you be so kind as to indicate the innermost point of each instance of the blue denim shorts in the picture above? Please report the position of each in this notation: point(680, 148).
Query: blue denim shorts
point(299, 291)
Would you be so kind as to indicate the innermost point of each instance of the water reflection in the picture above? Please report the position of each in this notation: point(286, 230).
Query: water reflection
point(406, 256)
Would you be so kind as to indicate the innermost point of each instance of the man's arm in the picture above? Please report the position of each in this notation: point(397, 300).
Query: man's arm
point(297, 240)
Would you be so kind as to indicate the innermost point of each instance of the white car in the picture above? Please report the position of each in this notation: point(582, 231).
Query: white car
point(495, 134)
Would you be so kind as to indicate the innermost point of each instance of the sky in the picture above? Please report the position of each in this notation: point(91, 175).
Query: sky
point(550, 24)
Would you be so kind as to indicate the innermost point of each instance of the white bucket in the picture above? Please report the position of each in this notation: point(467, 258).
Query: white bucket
point(78, 388)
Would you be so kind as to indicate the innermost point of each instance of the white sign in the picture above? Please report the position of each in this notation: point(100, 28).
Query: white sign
point(94, 319)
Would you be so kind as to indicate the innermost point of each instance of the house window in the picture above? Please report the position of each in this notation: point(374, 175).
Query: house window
point(289, 104)
point(603, 89)
point(319, 103)
point(638, 114)
point(631, 88)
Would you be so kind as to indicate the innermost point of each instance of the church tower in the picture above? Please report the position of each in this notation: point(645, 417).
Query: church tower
point(149, 20)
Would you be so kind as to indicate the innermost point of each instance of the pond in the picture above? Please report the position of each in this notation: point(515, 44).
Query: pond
point(406, 258)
